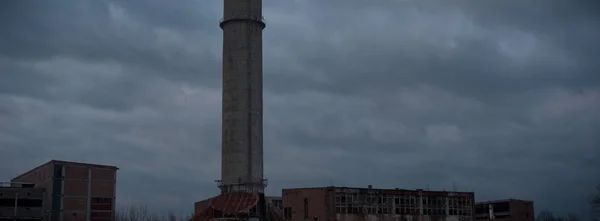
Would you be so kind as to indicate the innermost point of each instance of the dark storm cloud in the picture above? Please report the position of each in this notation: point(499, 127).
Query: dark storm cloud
point(496, 97)
point(438, 43)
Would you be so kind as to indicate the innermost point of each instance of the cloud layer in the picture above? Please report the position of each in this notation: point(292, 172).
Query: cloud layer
point(496, 97)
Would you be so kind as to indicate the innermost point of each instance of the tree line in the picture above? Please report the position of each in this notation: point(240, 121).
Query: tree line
point(594, 211)
point(141, 213)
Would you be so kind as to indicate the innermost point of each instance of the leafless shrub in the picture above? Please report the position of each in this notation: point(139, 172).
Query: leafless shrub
point(141, 213)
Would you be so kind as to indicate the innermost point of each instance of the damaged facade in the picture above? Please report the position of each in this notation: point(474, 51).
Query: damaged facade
point(505, 210)
point(21, 202)
point(353, 204)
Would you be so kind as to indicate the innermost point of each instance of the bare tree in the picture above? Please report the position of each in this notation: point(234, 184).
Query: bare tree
point(595, 205)
point(171, 216)
point(571, 217)
point(133, 213)
point(545, 216)
point(141, 213)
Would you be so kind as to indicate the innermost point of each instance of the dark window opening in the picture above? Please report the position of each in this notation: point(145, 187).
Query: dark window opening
point(7, 202)
point(501, 207)
point(29, 203)
point(502, 217)
point(287, 212)
point(480, 209)
point(305, 208)
point(58, 171)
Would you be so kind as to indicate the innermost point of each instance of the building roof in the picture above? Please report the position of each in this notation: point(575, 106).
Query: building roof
point(390, 191)
point(62, 162)
point(234, 202)
point(231, 203)
point(503, 200)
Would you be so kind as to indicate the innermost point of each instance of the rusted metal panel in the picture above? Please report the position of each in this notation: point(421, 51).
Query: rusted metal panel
point(233, 202)
point(75, 188)
point(201, 206)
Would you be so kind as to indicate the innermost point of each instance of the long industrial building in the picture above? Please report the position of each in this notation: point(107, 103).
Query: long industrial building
point(75, 191)
point(505, 210)
point(21, 202)
point(354, 204)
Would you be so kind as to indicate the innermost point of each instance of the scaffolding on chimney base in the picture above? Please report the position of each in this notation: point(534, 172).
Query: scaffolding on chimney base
point(241, 186)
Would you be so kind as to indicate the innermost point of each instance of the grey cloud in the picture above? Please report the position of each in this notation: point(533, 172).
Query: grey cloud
point(497, 97)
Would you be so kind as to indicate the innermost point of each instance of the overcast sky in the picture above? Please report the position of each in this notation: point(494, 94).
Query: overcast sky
point(497, 97)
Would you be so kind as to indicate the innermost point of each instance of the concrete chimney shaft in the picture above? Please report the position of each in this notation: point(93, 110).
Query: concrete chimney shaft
point(242, 113)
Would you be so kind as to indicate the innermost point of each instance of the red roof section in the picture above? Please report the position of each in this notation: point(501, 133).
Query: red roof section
point(226, 202)
point(233, 202)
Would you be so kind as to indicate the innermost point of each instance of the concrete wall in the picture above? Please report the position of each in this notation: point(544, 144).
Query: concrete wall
point(242, 125)
point(29, 201)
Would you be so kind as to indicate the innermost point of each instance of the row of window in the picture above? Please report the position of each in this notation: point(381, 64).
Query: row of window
point(403, 211)
point(404, 201)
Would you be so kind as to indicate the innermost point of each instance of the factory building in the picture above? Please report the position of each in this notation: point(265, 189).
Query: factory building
point(21, 202)
point(277, 201)
point(75, 191)
point(505, 210)
point(353, 204)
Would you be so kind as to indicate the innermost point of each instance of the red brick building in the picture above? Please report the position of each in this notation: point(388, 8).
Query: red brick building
point(505, 210)
point(353, 204)
point(75, 191)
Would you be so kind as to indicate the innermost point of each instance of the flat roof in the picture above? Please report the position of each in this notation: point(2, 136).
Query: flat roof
point(62, 162)
point(378, 189)
point(503, 200)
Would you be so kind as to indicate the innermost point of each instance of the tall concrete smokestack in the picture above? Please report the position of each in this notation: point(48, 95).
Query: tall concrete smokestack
point(242, 183)
point(242, 120)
